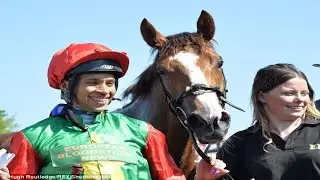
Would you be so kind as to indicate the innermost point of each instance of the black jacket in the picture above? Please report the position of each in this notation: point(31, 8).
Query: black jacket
point(297, 158)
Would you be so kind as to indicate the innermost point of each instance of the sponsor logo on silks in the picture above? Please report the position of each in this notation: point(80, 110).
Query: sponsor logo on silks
point(63, 156)
point(314, 146)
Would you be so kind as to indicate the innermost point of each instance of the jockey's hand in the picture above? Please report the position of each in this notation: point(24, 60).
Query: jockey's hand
point(4, 174)
point(211, 171)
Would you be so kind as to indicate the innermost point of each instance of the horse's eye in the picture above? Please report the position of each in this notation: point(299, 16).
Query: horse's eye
point(220, 63)
point(160, 71)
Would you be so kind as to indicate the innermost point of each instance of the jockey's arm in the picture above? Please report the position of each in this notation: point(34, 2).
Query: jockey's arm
point(163, 166)
point(161, 163)
point(26, 161)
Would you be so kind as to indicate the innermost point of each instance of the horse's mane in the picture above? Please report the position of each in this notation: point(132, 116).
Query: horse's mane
point(173, 44)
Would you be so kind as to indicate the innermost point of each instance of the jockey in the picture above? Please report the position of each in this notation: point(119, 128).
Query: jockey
point(107, 145)
point(317, 102)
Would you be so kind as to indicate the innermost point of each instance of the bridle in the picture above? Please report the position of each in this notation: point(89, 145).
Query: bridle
point(196, 89)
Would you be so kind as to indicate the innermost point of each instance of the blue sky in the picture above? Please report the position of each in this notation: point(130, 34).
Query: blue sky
point(250, 34)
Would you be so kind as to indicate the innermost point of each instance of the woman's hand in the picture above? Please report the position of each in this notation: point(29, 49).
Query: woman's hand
point(4, 174)
point(211, 171)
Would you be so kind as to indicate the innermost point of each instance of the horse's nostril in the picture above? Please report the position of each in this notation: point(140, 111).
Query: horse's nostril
point(224, 121)
point(225, 116)
point(195, 121)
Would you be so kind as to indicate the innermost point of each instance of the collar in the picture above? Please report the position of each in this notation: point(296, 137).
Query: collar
point(61, 109)
point(82, 112)
point(311, 121)
point(254, 128)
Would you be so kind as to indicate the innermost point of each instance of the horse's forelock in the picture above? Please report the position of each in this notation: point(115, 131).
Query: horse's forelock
point(181, 41)
point(174, 44)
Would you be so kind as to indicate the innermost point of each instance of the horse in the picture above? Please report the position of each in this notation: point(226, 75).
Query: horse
point(183, 91)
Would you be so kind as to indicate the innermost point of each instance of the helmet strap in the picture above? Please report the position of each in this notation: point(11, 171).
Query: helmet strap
point(68, 94)
point(116, 84)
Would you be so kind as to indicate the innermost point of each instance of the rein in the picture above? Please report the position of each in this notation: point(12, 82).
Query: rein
point(175, 107)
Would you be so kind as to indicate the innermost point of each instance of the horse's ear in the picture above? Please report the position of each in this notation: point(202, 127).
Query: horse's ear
point(206, 25)
point(152, 37)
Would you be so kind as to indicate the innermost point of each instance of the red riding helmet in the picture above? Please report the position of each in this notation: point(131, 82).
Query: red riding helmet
point(86, 57)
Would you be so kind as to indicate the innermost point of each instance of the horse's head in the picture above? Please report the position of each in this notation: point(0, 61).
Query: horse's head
point(191, 76)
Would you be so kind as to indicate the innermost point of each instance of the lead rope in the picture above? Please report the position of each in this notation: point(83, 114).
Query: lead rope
point(182, 117)
point(202, 154)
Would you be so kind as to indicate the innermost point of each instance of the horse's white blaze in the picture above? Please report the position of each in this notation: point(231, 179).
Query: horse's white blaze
point(209, 100)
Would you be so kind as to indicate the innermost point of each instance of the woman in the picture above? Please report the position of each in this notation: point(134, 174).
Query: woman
point(284, 142)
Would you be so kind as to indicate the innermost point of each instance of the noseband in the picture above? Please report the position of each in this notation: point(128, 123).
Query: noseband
point(196, 89)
